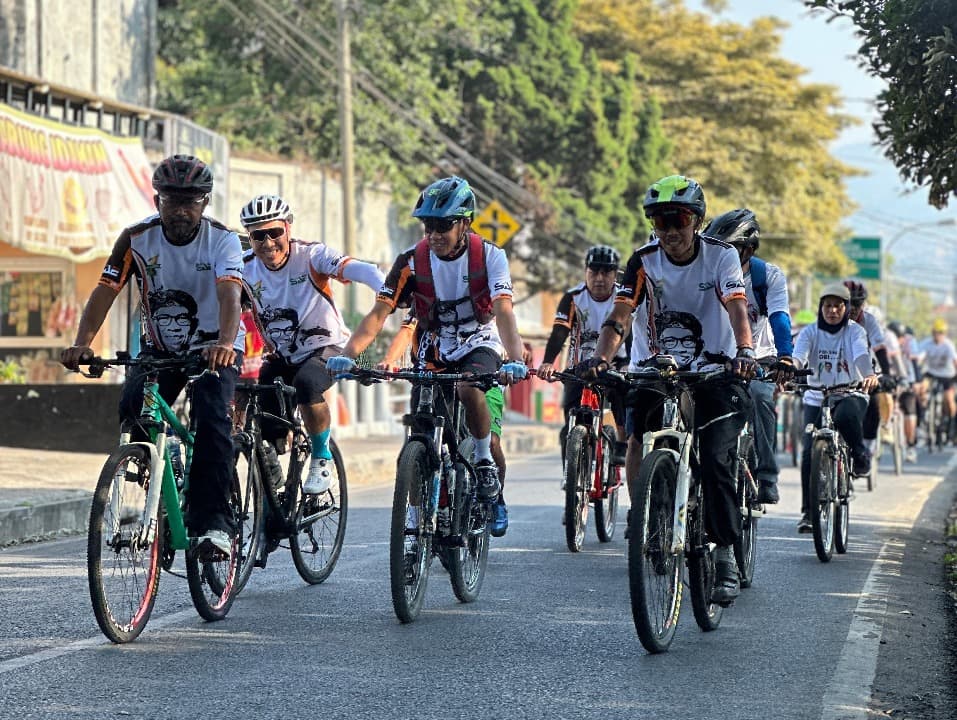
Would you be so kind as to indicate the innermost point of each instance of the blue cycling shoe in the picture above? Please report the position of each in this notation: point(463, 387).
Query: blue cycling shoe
point(499, 518)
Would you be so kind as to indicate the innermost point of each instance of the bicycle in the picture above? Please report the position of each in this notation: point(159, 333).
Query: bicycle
point(436, 510)
point(136, 525)
point(934, 416)
point(830, 492)
point(590, 477)
point(792, 426)
point(274, 508)
point(892, 434)
point(666, 523)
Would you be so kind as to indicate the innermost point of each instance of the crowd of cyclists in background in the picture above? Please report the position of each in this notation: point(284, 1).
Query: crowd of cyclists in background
point(694, 292)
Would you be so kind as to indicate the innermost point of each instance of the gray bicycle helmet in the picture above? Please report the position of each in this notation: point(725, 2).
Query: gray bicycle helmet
point(264, 208)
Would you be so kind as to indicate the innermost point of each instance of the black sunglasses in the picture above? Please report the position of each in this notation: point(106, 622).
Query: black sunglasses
point(439, 225)
point(273, 233)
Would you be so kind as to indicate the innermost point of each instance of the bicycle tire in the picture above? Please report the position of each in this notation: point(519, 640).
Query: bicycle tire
point(745, 547)
point(654, 572)
point(875, 462)
point(410, 554)
point(842, 509)
point(931, 419)
point(821, 498)
point(701, 574)
point(897, 427)
point(606, 508)
point(212, 581)
point(467, 565)
point(249, 498)
point(131, 571)
point(796, 430)
point(320, 525)
point(579, 454)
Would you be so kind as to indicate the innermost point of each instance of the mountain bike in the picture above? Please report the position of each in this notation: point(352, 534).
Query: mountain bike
point(274, 508)
point(830, 490)
point(436, 510)
point(590, 477)
point(136, 518)
point(666, 523)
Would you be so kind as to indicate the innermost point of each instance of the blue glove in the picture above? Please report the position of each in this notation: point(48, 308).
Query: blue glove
point(515, 370)
point(339, 366)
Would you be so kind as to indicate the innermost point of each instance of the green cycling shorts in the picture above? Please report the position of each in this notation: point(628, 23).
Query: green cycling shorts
point(495, 399)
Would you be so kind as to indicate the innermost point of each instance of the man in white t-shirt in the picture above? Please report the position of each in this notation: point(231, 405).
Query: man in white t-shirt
point(460, 289)
point(940, 367)
point(696, 295)
point(288, 282)
point(770, 318)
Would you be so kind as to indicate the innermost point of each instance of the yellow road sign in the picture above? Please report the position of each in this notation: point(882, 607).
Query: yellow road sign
point(495, 224)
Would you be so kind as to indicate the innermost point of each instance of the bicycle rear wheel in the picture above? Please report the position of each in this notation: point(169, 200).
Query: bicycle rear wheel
point(579, 454)
point(842, 509)
point(654, 571)
point(606, 508)
point(123, 573)
point(320, 527)
point(467, 564)
point(821, 498)
point(745, 547)
point(248, 497)
point(410, 543)
point(701, 573)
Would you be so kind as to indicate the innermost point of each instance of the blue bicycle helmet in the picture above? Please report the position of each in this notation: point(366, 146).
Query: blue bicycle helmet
point(450, 197)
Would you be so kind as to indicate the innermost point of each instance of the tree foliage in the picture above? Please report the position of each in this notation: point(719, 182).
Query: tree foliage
point(911, 44)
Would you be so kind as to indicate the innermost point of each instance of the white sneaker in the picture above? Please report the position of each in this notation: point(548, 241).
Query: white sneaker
point(320, 476)
point(911, 455)
point(218, 539)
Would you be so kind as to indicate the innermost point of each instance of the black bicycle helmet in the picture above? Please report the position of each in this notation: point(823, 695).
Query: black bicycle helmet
point(675, 191)
point(183, 174)
point(857, 290)
point(896, 327)
point(737, 227)
point(602, 257)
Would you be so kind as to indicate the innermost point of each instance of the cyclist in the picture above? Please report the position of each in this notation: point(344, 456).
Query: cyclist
point(769, 314)
point(287, 280)
point(579, 315)
point(870, 321)
point(696, 297)
point(189, 271)
point(835, 348)
point(940, 367)
point(494, 398)
point(460, 289)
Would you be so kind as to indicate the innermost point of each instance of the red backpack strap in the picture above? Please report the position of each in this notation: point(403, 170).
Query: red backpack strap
point(423, 296)
point(478, 280)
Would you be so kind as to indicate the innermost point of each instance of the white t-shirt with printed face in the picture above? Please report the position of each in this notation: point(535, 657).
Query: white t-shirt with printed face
point(687, 300)
point(294, 306)
point(583, 315)
point(459, 331)
point(939, 358)
point(777, 300)
point(831, 356)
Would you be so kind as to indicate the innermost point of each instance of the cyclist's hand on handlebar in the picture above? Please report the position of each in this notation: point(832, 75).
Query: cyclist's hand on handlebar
point(783, 369)
point(546, 370)
point(219, 356)
point(888, 383)
point(514, 370)
point(589, 369)
point(744, 365)
point(71, 357)
point(339, 366)
point(870, 383)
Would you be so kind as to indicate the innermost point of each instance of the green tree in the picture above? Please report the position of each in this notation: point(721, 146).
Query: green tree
point(911, 44)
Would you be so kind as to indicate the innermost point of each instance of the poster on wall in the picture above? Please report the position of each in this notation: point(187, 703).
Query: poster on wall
point(68, 191)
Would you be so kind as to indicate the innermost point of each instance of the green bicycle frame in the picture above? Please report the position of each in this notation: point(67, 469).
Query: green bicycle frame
point(158, 417)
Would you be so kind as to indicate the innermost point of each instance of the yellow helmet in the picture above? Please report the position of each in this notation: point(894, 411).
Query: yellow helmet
point(940, 325)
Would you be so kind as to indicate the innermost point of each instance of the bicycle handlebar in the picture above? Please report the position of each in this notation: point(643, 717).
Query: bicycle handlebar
point(98, 365)
point(421, 376)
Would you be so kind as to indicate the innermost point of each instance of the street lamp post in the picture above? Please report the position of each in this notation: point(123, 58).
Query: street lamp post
point(900, 234)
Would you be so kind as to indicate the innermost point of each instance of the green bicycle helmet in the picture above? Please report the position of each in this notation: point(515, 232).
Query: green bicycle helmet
point(450, 197)
point(675, 191)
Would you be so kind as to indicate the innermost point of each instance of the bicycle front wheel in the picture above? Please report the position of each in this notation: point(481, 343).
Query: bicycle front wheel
point(410, 542)
point(321, 526)
point(654, 570)
point(822, 497)
point(745, 547)
point(579, 456)
point(122, 569)
point(249, 499)
point(467, 564)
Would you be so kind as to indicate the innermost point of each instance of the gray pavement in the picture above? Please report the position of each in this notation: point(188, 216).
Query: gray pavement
point(47, 492)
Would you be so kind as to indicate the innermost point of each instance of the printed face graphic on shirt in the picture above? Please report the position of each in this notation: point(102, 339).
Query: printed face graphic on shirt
point(281, 325)
point(679, 335)
point(174, 315)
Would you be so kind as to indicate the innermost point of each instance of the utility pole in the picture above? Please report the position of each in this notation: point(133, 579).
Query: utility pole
point(347, 146)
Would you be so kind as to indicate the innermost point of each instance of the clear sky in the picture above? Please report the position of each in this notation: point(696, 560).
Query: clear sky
point(828, 52)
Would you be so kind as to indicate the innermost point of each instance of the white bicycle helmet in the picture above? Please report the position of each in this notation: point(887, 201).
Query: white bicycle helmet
point(264, 208)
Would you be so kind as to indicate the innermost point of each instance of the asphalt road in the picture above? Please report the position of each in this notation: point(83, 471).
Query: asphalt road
point(550, 637)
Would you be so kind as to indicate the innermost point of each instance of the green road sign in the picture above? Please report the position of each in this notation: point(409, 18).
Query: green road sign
point(865, 252)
